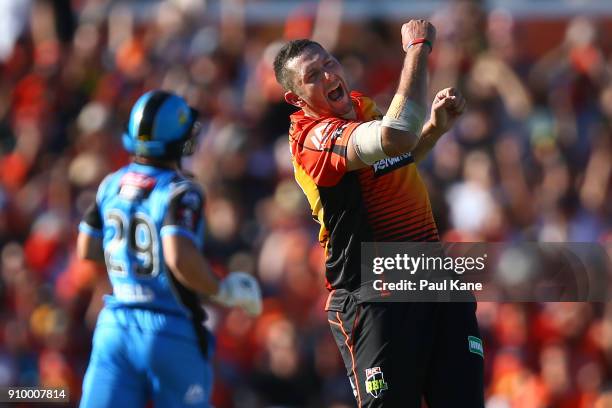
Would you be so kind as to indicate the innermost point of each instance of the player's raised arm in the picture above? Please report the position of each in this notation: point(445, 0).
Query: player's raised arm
point(401, 127)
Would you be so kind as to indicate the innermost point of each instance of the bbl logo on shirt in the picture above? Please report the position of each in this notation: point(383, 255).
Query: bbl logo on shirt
point(375, 381)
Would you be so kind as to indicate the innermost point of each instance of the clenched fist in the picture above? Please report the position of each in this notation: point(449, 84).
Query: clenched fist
point(447, 106)
point(417, 29)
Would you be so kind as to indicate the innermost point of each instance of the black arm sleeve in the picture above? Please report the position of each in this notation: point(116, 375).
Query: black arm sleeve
point(92, 217)
point(184, 213)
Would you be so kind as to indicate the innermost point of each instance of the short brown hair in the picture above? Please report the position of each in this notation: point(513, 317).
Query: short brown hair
point(289, 51)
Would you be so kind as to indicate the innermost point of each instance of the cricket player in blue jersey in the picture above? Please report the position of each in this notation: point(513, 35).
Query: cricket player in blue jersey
point(146, 225)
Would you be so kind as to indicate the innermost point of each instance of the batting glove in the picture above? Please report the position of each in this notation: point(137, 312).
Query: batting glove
point(239, 289)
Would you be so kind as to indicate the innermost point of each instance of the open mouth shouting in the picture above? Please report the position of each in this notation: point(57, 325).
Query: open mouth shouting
point(336, 94)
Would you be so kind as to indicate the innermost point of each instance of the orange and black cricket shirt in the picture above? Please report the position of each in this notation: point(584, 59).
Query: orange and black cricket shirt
point(385, 202)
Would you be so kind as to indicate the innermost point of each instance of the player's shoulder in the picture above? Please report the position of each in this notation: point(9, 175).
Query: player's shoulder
point(185, 184)
point(107, 183)
point(314, 134)
point(185, 198)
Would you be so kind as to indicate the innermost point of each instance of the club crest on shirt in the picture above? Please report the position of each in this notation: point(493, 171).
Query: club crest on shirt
point(375, 382)
point(389, 164)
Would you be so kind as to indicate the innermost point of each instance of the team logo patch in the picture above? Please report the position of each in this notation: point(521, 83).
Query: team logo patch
point(475, 346)
point(375, 382)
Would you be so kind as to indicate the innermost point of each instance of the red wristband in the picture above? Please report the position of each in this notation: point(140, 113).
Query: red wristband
point(420, 41)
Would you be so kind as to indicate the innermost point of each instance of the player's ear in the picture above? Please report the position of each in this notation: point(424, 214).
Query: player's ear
point(293, 99)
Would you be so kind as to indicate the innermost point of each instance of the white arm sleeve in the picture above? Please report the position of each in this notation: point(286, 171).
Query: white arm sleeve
point(367, 142)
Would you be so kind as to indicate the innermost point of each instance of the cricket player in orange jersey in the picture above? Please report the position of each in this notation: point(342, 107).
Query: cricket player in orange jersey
point(358, 171)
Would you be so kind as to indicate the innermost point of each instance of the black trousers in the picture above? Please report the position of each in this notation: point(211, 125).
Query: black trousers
point(398, 353)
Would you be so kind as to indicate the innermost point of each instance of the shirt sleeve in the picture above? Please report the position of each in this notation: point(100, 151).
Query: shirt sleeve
point(91, 224)
point(184, 214)
point(323, 152)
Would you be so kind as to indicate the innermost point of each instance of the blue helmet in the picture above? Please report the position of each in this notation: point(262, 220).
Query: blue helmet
point(161, 125)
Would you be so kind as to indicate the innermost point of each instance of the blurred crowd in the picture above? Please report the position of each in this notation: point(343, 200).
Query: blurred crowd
point(529, 160)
